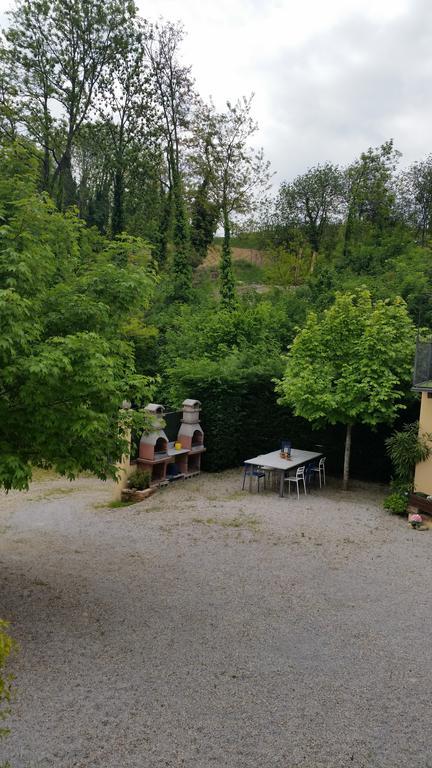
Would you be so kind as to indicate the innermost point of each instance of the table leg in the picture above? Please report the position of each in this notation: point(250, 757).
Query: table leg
point(250, 478)
point(281, 483)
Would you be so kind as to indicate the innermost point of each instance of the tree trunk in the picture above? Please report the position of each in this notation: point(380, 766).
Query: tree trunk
point(347, 458)
point(62, 184)
point(347, 235)
point(117, 220)
point(46, 170)
point(313, 262)
point(46, 164)
point(227, 287)
point(181, 264)
point(165, 226)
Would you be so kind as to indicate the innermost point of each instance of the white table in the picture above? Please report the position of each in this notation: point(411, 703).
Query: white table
point(274, 461)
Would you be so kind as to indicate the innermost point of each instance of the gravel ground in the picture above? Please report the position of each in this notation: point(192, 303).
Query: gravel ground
point(210, 627)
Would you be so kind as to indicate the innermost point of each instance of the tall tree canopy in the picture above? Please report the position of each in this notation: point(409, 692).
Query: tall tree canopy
point(66, 355)
point(350, 366)
point(311, 203)
point(61, 51)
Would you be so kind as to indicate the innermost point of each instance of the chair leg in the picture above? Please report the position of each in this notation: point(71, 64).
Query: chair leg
point(298, 490)
point(304, 486)
point(319, 475)
point(324, 477)
point(244, 480)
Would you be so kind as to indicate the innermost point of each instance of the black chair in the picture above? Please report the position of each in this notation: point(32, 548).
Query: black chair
point(250, 470)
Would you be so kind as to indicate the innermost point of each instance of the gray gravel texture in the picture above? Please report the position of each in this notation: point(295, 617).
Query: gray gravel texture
point(206, 627)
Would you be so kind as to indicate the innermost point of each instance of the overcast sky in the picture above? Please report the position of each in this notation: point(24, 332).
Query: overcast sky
point(330, 77)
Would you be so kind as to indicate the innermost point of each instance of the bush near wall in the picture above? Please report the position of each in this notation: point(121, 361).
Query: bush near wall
point(241, 418)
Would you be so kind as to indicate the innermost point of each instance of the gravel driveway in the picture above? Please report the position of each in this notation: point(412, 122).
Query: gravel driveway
point(209, 627)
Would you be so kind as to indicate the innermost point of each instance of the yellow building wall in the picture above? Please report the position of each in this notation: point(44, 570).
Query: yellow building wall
point(125, 470)
point(423, 473)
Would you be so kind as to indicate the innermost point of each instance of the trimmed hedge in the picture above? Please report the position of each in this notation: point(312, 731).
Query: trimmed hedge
point(242, 419)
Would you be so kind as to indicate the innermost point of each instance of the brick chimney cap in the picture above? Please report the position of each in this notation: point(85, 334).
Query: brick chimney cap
point(155, 408)
point(192, 403)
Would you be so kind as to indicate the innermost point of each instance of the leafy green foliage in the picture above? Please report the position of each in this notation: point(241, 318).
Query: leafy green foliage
point(396, 503)
point(407, 448)
point(226, 276)
point(350, 365)
point(246, 272)
point(203, 221)
point(288, 267)
point(67, 362)
point(309, 205)
point(139, 153)
point(181, 264)
point(140, 480)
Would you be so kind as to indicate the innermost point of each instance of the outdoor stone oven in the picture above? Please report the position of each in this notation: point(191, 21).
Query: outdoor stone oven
point(181, 458)
point(155, 445)
point(190, 433)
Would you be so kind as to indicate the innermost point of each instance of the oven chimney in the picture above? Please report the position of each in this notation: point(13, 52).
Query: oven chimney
point(190, 434)
point(154, 445)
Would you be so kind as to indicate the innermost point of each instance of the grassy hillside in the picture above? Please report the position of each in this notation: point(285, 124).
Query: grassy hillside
point(248, 265)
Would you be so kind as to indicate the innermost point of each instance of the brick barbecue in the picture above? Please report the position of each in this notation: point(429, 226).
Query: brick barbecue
point(162, 457)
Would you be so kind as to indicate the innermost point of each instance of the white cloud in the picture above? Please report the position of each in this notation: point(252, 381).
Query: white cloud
point(331, 78)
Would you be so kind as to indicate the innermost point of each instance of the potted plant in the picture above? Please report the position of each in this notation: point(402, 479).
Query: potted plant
point(406, 448)
point(138, 486)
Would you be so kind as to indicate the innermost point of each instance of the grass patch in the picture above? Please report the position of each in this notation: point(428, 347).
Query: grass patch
point(242, 240)
point(40, 475)
point(234, 496)
point(240, 521)
point(53, 493)
point(40, 583)
point(117, 504)
point(246, 272)
point(43, 476)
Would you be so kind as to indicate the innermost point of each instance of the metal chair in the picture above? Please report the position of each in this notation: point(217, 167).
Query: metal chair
point(270, 476)
point(252, 471)
point(320, 469)
point(298, 478)
point(309, 474)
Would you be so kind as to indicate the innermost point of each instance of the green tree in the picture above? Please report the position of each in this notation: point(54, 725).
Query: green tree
point(407, 448)
point(351, 365)
point(67, 359)
point(174, 94)
point(415, 197)
point(181, 263)
point(371, 212)
point(201, 179)
point(60, 50)
point(238, 173)
point(312, 203)
point(126, 110)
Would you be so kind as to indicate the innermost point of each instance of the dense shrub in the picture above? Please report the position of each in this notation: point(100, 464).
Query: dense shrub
point(140, 479)
point(241, 418)
point(396, 503)
point(407, 448)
